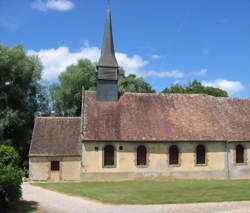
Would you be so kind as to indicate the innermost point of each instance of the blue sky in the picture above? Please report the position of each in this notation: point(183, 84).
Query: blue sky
point(164, 41)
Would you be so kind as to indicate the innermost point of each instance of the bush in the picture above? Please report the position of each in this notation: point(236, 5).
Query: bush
point(10, 176)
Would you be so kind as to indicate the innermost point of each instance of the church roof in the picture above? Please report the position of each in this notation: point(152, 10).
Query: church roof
point(166, 117)
point(56, 136)
point(107, 58)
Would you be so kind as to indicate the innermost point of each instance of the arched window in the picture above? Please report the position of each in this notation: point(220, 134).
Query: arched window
point(109, 155)
point(173, 155)
point(141, 156)
point(239, 154)
point(200, 154)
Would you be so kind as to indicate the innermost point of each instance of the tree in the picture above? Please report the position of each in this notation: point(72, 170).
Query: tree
point(195, 87)
point(66, 95)
point(20, 97)
point(10, 177)
point(131, 83)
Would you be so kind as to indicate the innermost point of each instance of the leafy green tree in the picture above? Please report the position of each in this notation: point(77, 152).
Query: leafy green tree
point(131, 83)
point(66, 95)
point(195, 87)
point(10, 177)
point(20, 97)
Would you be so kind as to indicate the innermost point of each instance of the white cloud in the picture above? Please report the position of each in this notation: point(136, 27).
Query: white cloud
point(55, 61)
point(132, 65)
point(60, 5)
point(85, 43)
point(231, 87)
point(169, 74)
point(201, 72)
point(175, 73)
point(155, 56)
point(8, 24)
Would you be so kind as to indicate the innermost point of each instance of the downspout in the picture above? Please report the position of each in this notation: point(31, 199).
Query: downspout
point(82, 111)
point(81, 130)
point(227, 160)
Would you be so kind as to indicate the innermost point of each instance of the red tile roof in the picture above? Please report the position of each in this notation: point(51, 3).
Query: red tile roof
point(166, 117)
point(143, 117)
point(56, 136)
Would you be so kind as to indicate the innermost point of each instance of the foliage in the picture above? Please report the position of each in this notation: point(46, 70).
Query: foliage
point(10, 176)
point(161, 192)
point(66, 95)
point(195, 87)
point(19, 100)
point(131, 83)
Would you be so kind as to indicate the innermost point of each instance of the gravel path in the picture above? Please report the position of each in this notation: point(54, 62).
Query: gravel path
point(53, 202)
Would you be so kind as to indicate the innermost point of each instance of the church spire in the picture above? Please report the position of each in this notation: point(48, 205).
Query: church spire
point(107, 58)
point(107, 67)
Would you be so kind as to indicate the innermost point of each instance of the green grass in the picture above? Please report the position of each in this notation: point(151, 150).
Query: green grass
point(24, 207)
point(156, 192)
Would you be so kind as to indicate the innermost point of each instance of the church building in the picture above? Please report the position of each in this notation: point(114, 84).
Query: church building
point(141, 135)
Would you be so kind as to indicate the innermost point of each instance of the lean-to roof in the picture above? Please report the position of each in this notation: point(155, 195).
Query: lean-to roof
point(56, 136)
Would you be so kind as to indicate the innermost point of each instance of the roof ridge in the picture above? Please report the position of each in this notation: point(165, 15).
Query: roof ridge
point(47, 117)
point(175, 94)
point(183, 94)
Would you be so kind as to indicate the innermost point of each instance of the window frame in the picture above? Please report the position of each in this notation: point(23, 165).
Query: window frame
point(147, 156)
point(54, 168)
point(196, 156)
point(245, 160)
point(179, 156)
point(103, 157)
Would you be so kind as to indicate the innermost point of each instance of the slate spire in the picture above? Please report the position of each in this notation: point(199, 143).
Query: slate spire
point(107, 67)
point(107, 58)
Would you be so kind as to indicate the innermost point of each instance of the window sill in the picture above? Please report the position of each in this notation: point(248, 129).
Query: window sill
point(109, 167)
point(241, 164)
point(142, 166)
point(174, 165)
point(201, 165)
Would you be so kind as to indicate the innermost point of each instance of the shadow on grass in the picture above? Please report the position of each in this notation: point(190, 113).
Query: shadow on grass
point(24, 207)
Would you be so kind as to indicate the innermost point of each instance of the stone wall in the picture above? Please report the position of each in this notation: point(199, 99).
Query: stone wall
point(39, 168)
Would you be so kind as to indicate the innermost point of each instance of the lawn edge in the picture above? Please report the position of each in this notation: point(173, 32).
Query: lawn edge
point(132, 204)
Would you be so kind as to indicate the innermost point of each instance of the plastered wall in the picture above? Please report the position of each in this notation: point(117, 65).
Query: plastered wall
point(219, 162)
point(241, 170)
point(158, 161)
point(39, 168)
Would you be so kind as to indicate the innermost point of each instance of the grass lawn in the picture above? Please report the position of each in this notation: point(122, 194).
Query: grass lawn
point(24, 207)
point(156, 192)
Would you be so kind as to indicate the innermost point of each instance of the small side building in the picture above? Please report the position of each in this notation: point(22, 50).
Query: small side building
point(55, 151)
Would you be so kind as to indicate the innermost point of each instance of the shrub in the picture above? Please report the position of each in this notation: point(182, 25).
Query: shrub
point(10, 176)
